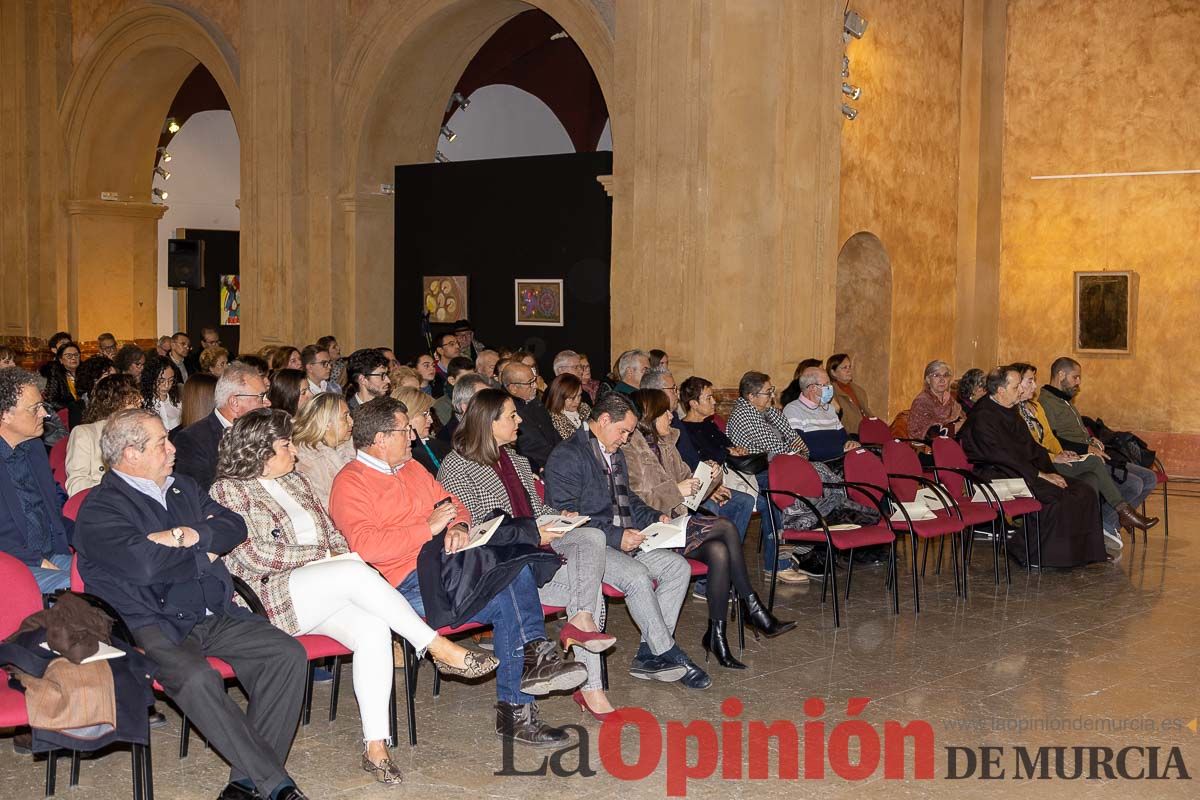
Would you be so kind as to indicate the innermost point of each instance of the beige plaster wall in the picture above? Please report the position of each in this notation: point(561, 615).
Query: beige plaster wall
point(899, 176)
point(1115, 90)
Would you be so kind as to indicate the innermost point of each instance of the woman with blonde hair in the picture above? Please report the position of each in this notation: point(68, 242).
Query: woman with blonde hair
point(402, 377)
point(425, 448)
point(214, 360)
point(322, 439)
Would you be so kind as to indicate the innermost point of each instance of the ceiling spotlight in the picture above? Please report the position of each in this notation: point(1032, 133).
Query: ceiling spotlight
point(449, 134)
point(853, 92)
point(849, 111)
point(853, 24)
point(845, 66)
point(172, 126)
point(162, 173)
point(457, 99)
point(159, 194)
point(440, 157)
point(163, 155)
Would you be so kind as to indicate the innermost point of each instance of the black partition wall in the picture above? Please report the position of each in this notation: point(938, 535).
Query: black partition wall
point(204, 305)
point(498, 220)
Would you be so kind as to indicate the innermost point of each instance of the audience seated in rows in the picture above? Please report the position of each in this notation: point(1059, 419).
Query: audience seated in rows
point(587, 474)
point(631, 366)
point(564, 402)
point(366, 376)
point(465, 388)
point(130, 360)
point(935, 411)
point(240, 389)
point(468, 346)
point(537, 436)
point(60, 389)
point(426, 367)
point(388, 509)
point(85, 467)
point(850, 396)
point(289, 390)
point(443, 407)
point(318, 367)
point(32, 528)
point(160, 391)
point(568, 362)
point(181, 347)
point(210, 339)
point(212, 361)
point(426, 450)
point(971, 388)
point(285, 357)
point(149, 544)
point(197, 400)
point(812, 415)
point(286, 557)
point(322, 436)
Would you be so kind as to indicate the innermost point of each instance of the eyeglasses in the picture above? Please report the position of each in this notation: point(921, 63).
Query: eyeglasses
point(70, 355)
point(320, 363)
point(670, 388)
point(262, 398)
point(407, 429)
point(768, 393)
point(522, 383)
point(375, 374)
point(33, 409)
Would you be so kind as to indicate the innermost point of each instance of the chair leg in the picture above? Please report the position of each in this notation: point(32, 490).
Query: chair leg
point(937, 570)
point(849, 573)
point(147, 772)
point(336, 688)
point(1037, 520)
point(895, 583)
point(741, 623)
point(393, 725)
point(832, 573)
point(1166, 512)
point(185, 736)
point(604, 671)
point(73, 779)
point(437, 683)
point(775, 566)
point(51, 772)
point(306, 709)
point(410, 690)
point(912, 546)
point(924, 557)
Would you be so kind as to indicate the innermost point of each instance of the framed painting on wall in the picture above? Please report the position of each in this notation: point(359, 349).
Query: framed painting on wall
point(539, 301)
point(231, 300)
point(444, 297)
point(1104, 312)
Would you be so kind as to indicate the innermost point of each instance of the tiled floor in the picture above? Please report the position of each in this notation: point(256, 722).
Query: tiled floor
point(1080, 658)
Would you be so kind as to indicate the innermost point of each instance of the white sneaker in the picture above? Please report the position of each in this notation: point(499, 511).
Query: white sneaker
point(1113, 540)
point(791, 575)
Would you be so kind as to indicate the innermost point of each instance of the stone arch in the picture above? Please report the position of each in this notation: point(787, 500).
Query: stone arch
point(111, 115)
point(402, 65)
point(863, 324)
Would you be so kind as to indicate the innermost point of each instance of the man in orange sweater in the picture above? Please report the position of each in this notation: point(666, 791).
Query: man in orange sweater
point(388, 508)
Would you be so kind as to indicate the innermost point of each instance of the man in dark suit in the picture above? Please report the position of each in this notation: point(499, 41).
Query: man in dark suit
point(31, 522)
point(149, 544)
point(240, 389)
point(537, 435)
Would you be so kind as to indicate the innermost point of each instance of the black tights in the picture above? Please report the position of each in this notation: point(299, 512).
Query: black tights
point(722, 553)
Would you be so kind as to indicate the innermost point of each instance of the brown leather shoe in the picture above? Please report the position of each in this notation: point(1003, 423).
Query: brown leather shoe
point(1130, 518)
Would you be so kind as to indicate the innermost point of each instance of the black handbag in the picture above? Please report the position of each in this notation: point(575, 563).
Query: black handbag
point(749, 464)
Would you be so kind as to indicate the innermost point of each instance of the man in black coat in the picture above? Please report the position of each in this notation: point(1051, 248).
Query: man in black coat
point(149, 544)
point(240, 389)
point(537, 435)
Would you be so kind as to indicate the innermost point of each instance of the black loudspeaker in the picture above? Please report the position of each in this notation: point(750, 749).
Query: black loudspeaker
point(185, 263)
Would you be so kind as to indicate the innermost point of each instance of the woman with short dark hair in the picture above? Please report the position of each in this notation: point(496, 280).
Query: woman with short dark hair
point(971, 388)
point(487, 474)
point(60, 378)
point(131, 360)
point(850, 396)
point(308, 580)
point(564, 401)
point(658, 475)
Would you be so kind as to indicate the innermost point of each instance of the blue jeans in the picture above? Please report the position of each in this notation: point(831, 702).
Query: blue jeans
point(515, 615)
point(766, 506)
point(51, 580)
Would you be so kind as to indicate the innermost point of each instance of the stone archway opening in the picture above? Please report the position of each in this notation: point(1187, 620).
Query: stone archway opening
point(863, 326)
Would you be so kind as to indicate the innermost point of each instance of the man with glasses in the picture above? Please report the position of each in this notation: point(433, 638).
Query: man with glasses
point(587, 474)
point(537, 435)
point(240, 389)
point(209, 338)
point(318, 366)
point(32, 528)
point(366, 376)
point(108, 345)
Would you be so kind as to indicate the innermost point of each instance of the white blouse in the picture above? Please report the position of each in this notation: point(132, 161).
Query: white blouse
point(170, 413)
point(302, 522)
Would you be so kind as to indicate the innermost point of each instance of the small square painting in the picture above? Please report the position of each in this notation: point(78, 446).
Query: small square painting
point(539, 301)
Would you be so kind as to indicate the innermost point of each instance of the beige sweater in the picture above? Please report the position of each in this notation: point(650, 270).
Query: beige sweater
point(321, 464)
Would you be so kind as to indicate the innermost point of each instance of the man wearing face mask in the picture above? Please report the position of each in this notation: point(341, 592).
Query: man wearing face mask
point(813, 417)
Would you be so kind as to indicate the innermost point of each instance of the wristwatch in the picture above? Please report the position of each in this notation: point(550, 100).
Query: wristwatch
point(178, 534)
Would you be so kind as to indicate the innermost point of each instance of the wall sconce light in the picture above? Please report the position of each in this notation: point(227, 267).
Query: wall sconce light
point(853, 25)
point(440, 157)
point(171, 125)
point(163, 155)
point(449, 134)
point(159, 194)
point(162, 173)
point(457, 101)
point(849, 111)
point(853, 92)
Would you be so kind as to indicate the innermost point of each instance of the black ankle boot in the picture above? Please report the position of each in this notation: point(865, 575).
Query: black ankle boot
point(520, 723)
point(716, 642)
point(763, 620)
point(546, 672)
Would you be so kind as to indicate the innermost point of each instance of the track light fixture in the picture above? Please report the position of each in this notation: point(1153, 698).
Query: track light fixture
point(853, 25)
point(162, 173)
point(440, 157)
point(457, 101)
point(172, 126)
point(845, 66)
point(449, 134)
point(163, 155)
point(849, 111)
point(853, 92)
point(159, 194)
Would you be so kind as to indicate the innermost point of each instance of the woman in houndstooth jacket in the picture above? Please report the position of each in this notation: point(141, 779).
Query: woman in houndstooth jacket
point(488, 476)
point(309, 582)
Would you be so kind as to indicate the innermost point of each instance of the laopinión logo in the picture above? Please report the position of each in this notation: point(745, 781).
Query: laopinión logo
point(854, 750)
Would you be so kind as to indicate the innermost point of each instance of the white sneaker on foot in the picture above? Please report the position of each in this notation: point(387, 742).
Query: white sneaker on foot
point(1113, 540)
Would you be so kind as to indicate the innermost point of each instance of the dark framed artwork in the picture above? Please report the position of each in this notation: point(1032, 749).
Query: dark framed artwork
point(1104, 312)
point(539, 301)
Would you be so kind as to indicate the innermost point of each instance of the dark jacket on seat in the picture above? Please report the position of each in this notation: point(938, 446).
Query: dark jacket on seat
point(196, 450)
point(13, 524)
point(537, 435)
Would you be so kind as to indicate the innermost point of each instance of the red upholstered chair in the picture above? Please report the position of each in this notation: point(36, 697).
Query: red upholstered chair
point(905, 475)
point(874, 431)
point(792, 479)
point(22, 598)
point(71, 507)
point(65, 418)
point(720, 422)
point(952, 467)
point(58, 461)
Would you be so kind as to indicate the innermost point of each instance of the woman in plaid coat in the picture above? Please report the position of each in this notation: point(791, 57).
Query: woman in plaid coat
point(310, 583)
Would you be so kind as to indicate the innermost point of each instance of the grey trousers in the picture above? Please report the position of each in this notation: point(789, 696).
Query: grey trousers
point(270, 666)
point(576, 585)
point(655, 609)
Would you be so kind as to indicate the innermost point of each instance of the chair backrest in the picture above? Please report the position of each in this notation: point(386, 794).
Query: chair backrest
point(540, 487)
point(58, 461)
point(863, 466)
point(948, 453)
point(71, 507)
point(793, 474)
point(720, 422)
point(873, 430)
point(900, 459)
point(65, 417)
point(76, 578)
point(899, 426)
point(22, 596)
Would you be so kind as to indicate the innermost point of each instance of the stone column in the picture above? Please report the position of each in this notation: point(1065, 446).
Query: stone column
point(725, 183)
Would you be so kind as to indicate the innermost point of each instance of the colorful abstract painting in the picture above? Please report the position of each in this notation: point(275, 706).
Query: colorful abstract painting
point(231, 300)
point(539, 301)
